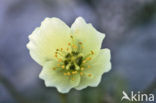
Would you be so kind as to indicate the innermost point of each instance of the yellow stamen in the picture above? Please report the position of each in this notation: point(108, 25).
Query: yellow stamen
point(81, 73)
point(74, 72)
point(71, 36)
point(61, 49)
point(82, 68)
point(60, 60)
point(54, 68)
point(84, 61)
point(89, 75)
point(92, 52)
point(65, 73)
point(89, 58)
point(69, 44)
point(73, 79)
point(68, 73)
point(80, 42)
point(55, 55)
point(88, 66)
point(57, 49)
point(58, 64)
point(63, 66)
point(67, 49)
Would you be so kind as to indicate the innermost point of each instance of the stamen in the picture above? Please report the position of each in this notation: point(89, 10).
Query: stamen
point(68, 73)
point(88, 66)
point(92, 52)
point(73, 79)
point(58, 64)
point(61, 49)
point(71, 36)
point(55, 55)
point(82, 68)
point(89, 75)
point(65, 73)
point(63, 66)
point(81, 73)
point(80, 43)
point(84, 61)
point(60, 60)
point(69, 44)
point(89, 58)
point(74, 72)
point(54, 68)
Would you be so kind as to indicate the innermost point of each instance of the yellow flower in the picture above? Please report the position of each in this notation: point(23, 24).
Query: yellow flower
point(71, 57)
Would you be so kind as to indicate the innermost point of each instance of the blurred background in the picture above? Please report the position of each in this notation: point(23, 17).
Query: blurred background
point(130, 27)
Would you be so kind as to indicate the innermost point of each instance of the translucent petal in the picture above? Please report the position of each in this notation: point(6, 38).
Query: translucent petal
point(88, 35)
point(56, 78)
point(52, 34)
point(98, 66)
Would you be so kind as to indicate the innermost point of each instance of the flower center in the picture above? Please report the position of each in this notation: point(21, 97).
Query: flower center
point(72, 60)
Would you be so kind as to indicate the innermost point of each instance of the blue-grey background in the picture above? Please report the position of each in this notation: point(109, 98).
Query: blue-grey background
point(130, 27)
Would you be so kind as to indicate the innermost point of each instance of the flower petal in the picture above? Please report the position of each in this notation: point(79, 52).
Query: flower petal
point(52, 34)
point(99, 65)
point(56, 78)
point(88, 35)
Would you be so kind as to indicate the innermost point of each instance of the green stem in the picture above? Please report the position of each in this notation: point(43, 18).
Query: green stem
point(63, 98)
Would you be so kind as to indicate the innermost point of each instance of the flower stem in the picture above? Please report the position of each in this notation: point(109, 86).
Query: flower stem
point(63, 98)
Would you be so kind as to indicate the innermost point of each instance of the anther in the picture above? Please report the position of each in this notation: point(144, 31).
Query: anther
point(73, 79)
point(58, 64)
point(65, 73)
point(69, 43)
point(81, 73)
point(88, 66)
point(92, 52)
point(60, 60)
point(80, 42)
point(61, 49)
point(63, 66)
point(82, 68)
point(67, 49)
point(57, 49)
point(89, 75)
point(68, 73)
point(84, 61)
point(71, 36)
point(89, 58)
point(74, 72)
point(54, 68)
point(55, 55)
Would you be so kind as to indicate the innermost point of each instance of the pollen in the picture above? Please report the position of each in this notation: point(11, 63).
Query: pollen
point(61, 49)
point(81, 73)
point(89, 75)
point(71, 36)
point(71, 60)
point(88, 66)
point(80, 43)
point(60, 60)
point(82, 68)
point(74, 72)
point(89, 58)
point(55, 55)
point(68, 73)
point(69, 44)
point(54, 68)
point(73, 79)
point(63, 66)
point(92, 52)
